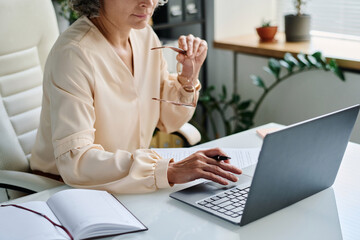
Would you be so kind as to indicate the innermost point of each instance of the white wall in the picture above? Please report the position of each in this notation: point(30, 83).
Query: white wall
point(235, 17)
point(303, 96)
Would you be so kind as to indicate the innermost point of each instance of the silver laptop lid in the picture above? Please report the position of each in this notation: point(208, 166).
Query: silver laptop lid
point(297, 162)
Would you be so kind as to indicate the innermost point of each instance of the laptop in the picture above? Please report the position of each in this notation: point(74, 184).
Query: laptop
point(294, 163)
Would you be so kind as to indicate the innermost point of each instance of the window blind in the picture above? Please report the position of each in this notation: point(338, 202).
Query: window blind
point(339, 18)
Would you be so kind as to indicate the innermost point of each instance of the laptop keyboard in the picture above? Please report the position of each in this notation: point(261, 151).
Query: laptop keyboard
point(230, 202)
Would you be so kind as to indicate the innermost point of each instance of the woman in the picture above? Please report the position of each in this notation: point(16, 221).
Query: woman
point(98, 115)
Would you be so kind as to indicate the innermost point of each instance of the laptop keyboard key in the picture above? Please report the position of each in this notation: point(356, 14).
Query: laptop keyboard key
point(229, 213)
point(221, 200)
point(224, 204)
point(238, 210)
point(229, 207)
point(215, 208)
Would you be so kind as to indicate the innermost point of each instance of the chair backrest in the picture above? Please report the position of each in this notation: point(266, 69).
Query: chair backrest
point(28, 30)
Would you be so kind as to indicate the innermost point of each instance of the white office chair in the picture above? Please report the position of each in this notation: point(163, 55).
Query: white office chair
point(28, 29)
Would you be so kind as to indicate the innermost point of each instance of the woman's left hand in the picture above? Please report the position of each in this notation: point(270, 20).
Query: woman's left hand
point(196, 51)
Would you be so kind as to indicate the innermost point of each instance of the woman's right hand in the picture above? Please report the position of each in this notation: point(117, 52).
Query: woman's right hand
point(201, 165)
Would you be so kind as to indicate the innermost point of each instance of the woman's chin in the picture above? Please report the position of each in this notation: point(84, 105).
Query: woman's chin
point(140, 25)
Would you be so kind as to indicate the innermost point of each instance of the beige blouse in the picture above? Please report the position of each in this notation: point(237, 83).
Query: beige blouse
point(97, 118)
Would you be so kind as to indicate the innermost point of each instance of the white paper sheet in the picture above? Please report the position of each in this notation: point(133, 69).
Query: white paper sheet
point(240, 157)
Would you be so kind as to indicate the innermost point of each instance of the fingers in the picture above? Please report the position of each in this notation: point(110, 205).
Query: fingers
point(202, 48)
point(213, 177)
point(214, 151)
point(225, 166)
point(218, 171)
point(190, 44)
point(201, 165)
point(193, 45)
point(182, 43)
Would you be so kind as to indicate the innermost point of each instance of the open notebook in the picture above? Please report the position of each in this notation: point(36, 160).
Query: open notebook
point(84, 213)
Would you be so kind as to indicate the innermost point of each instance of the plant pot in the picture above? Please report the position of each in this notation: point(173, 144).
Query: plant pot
point(297, 27)
point(266, 34)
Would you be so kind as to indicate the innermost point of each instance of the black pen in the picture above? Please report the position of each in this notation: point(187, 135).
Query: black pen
point(220, 157)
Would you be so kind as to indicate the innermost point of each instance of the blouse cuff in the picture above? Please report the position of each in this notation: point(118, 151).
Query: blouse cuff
point(161, 169)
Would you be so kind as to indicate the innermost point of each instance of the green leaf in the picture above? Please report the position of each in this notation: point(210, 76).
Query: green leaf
point(288, 57)
point(275, 67)
point(244, 105)
point(223, 95)
point(258, 81)
point(204, 98)
point(286, 65)
point(335, 69)
point(235, 98)
point(312, 60)
point(320, 59)
point(302, 60)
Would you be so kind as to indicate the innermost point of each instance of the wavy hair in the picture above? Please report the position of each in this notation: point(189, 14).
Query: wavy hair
point(91, 8)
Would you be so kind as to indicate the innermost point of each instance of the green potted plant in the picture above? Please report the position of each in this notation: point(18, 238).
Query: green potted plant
point(266, 32)
point(297, 26)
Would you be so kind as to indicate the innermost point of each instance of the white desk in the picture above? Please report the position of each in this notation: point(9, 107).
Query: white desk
point(330, 214)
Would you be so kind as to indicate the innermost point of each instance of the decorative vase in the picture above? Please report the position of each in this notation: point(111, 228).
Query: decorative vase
point(266, 34)
point(297, 27)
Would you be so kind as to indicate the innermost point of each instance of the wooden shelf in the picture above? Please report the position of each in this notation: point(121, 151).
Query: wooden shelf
point(346, 52)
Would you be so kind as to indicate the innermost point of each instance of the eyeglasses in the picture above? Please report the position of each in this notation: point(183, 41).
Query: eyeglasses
point(187, 81)
point(42, 215)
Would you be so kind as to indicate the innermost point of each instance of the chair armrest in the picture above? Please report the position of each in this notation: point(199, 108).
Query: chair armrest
point(26, 181)
point(190, 134)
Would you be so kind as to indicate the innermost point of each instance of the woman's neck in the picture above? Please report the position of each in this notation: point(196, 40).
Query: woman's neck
point(116, 35)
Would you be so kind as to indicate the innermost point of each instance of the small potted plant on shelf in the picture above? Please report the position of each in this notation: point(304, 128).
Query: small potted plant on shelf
point(266, 32)
point(297, 26)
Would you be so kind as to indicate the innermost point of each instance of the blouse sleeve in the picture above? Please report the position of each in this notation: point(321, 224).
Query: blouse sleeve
point(80, 162)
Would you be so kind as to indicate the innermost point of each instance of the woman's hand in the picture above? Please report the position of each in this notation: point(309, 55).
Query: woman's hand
point(196, 51)
point(201, 165)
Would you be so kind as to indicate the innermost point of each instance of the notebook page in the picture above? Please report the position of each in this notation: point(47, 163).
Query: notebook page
point(16, 223)
point(80, 208)
point(240, 157)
